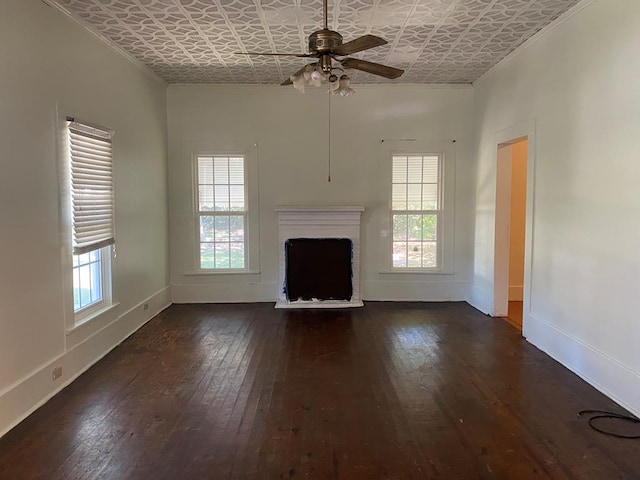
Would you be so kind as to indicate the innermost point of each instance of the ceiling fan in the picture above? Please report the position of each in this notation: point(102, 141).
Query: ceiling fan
point(326, 45)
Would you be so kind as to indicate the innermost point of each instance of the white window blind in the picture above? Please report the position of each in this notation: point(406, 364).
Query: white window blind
point(91, 187)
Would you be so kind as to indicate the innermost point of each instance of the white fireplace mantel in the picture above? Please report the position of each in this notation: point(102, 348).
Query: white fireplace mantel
point(321, 221)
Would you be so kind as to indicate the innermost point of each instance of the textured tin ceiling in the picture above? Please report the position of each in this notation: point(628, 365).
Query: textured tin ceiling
point(434, 41)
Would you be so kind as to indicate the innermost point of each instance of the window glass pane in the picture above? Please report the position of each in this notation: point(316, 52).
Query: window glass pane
point(221, 170)
point(222, 198)
point(399, 169)
point(399, 197)
point(85, 285)
point(399, 227)
point(96, 282)
point(236, 171)
point(237, 255)
point(429, 196)
point(236, 228)
point(205, 171)
point(222, 255)
point(429, 255)
point(414, 255)
point(236, 194)
point(414, 196)
point(430, 169)
point(207, 228)
point(429, 227)
point(221, 228)
point(76, 287)
point(205, 198)
point(414, 170)
point(87, 279)
point(414, 227)
point(207, 255)
point(399, 254)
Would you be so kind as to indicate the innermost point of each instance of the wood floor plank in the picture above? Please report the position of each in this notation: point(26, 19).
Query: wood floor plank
point(388, 391)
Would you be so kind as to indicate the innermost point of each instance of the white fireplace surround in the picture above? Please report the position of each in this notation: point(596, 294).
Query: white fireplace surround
point(320, 222)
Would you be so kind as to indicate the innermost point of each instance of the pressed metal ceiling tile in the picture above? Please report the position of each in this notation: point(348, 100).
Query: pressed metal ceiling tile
point(196, 41)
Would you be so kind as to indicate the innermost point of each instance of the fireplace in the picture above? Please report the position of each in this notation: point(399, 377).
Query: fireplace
point(318, 269)
point(319, 257)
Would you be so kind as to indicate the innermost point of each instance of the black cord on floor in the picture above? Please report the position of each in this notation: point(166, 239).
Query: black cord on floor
point(600, 414)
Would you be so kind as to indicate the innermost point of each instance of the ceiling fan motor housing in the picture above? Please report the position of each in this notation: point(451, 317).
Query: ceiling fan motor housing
point(324, 41)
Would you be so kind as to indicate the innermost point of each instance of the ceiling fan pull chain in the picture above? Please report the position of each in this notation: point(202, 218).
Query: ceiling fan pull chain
point(329, 128)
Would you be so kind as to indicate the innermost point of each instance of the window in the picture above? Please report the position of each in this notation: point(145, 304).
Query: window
point(91, 192)
point(416, 211)
point(222, 212)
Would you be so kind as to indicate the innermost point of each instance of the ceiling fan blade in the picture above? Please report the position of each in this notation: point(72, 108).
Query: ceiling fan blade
point(359, 44)
point(301, 55)
point(370, 67)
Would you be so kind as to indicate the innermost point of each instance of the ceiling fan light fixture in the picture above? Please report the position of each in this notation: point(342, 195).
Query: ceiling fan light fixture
point(344, 87)
point(334, 87)
point(309, 76)
point(316, 75)
point(298, 82)
point(306, 73)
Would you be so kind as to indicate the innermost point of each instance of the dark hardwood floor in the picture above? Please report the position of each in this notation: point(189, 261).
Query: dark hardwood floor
point(388, 391)
point(514, 315)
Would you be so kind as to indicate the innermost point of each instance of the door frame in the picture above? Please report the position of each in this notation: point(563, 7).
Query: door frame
point(500, 302)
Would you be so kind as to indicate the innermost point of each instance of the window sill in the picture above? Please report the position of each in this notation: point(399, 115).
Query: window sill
point(416, 271)
point(81, 324)
point(221, 272)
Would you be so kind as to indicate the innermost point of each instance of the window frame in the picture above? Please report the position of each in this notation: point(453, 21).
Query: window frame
point(445, 236)
point(247, 213)
point(437, 212)
point(87, 312)
point(85, 315)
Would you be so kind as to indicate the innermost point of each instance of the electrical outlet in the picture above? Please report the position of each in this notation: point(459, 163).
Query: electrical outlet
point(145, 306)
point(57, 373)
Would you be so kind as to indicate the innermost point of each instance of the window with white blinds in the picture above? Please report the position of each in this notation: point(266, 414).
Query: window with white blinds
point(416, 210)
point(90, 188)
point(222, 212)
point(91, 169)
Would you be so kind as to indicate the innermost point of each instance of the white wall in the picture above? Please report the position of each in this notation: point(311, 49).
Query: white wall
point(290, 131)
point(578, 84)
point(50, 65)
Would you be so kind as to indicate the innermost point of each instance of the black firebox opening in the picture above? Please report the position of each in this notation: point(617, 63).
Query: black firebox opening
point(318, 268)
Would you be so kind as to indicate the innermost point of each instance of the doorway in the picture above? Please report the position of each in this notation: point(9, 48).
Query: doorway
point(511, 214)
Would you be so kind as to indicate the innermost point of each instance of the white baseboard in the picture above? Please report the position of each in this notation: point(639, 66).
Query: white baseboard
point(400, 291)
point(28, 394)
point(606, 374)
point(225, 293)
point(403, 291)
